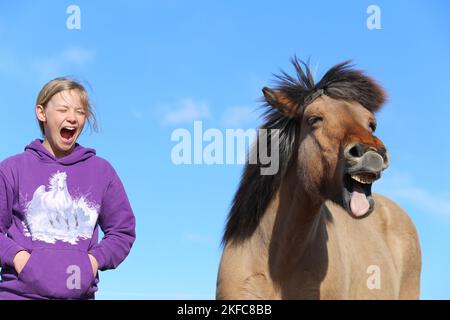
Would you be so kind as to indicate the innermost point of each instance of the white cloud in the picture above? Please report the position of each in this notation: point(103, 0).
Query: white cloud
point(61, 63)
point(238, 116)
point(15, 64)
point(402, 187)
point(186, 111)
point(425, 200)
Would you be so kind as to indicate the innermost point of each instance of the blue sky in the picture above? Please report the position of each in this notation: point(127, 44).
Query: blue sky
point(154, 66)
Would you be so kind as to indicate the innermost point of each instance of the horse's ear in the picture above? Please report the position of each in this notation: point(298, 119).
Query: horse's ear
point(280, 101)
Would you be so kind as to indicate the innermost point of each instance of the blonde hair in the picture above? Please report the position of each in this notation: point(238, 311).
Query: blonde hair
point(61, 84)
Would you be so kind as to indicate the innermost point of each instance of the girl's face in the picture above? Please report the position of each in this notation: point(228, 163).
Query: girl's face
point(64, 118)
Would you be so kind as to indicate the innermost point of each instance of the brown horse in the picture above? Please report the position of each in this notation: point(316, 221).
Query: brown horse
point(314, 230)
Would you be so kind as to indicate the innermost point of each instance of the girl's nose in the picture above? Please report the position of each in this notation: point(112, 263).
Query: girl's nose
point(71, 116)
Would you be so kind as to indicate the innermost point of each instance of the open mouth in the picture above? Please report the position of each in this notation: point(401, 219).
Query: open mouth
point(67, 134)
point(358, 193)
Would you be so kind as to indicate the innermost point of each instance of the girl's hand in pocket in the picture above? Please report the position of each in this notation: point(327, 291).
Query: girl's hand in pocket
point(20, 260)
point(94, 264)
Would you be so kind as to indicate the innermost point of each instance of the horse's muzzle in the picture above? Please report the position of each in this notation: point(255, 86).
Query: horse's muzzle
point(363, 159)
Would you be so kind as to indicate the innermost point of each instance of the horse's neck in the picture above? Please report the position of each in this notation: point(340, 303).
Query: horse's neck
point(62, 195)
point(66, 191)
point(295, 218)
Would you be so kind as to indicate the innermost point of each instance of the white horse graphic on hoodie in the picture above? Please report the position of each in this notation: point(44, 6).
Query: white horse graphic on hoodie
point(54, 215)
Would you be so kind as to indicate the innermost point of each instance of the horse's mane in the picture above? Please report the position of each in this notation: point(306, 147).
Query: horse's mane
point(255, 190)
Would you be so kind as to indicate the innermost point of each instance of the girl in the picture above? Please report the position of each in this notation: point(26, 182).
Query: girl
point(53, 197)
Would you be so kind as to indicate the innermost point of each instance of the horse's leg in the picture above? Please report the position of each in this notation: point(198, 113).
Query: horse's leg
point(242, 276)
point(410, 277)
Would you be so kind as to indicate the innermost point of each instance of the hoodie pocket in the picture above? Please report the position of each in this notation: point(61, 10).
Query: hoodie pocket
point(58, 273)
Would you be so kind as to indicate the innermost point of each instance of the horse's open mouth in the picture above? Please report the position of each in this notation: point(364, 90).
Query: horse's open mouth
point(358, 193)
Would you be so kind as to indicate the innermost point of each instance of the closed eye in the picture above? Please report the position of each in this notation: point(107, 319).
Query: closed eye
point(313, 120)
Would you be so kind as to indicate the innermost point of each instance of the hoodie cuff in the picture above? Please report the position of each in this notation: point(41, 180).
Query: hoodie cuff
point(10, 253)
point(98, 255)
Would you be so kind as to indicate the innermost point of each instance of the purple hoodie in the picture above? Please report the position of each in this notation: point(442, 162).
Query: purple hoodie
point(52, 208)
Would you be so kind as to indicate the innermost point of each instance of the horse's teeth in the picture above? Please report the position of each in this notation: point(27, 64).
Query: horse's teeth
point(362, 179)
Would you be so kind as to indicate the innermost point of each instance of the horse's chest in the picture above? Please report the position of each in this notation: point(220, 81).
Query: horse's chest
point(359, 265)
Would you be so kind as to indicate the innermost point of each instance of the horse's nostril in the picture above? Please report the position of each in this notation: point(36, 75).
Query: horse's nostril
point(357, 151)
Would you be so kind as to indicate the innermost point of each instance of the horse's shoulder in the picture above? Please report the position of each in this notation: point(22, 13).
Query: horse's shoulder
point(389, 207)
point(400, 232)
point(393, 216)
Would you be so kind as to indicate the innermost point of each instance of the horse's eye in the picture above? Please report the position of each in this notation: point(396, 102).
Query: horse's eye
point(373, 126)
point(314, 120)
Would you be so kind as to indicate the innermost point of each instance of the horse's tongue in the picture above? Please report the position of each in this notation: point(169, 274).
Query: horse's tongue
point(359, 203)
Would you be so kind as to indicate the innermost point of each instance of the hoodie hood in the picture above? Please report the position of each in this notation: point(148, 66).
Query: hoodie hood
point(78, 154)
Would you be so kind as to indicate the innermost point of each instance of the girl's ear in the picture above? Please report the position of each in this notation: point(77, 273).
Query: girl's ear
point(281, 102)
point(40, 113)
